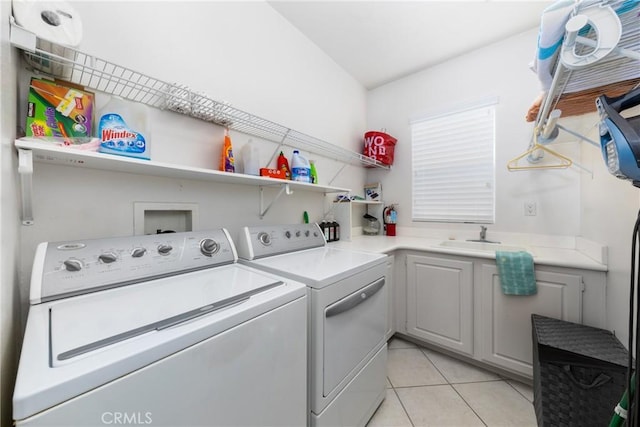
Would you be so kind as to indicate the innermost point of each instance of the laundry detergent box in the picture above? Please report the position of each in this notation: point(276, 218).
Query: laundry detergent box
point(59, 111)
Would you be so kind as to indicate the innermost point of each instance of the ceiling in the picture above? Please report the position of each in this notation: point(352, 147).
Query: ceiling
point(380, 41)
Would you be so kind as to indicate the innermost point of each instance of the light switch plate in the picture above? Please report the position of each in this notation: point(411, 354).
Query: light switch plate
point(530, 209)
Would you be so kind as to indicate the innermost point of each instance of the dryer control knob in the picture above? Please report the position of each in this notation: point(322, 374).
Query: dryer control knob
point(164, 249)
point(138, 252)
point(298, 233)
point(264, 238)
point(108, 257)
point(287, 234)
point(306, 233)
point(73, 264)
point(209, 247)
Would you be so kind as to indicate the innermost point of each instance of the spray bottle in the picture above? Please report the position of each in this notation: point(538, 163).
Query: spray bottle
point(314, 172)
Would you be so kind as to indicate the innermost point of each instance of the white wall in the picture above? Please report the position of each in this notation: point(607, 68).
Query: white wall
point(569, 202)
point(240, 52)
point(498, 70)
point(609, 210)
point(9, 225)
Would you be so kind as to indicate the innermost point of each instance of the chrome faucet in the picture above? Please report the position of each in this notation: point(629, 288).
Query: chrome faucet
point(483, 236)
point(483, 232)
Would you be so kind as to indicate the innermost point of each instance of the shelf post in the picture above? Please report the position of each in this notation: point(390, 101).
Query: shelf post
point(25, 169)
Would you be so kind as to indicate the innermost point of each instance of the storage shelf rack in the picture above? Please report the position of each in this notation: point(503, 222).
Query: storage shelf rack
point(104, 76)
point(32, 150)
point(349, 213)
point(100, 75)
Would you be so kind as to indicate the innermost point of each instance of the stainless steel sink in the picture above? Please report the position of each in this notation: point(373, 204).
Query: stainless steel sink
point(481, 246)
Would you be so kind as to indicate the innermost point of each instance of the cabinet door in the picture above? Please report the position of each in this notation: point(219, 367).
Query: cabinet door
point(440, 301)
point(390, 297)
point(506, 319)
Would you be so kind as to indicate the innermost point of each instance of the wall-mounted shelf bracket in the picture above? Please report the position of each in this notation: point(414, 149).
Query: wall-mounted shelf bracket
point(344, 165)
point(25, 169)
point(21, 38)
point(278, 148)
point(285, 189)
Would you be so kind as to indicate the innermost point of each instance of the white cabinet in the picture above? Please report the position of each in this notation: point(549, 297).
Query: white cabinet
point(389, 284)
point(350, 216)
point(456, 303)
point(440, 301)
point(505, 328)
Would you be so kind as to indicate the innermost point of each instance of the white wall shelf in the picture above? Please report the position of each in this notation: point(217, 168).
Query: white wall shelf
point(100, 75)
point(349, 215)
point(32, 150)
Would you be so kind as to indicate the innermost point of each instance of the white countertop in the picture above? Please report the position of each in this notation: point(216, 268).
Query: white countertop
point(561, 257)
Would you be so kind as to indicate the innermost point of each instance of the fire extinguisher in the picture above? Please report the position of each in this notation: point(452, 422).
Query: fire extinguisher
point(390, 219)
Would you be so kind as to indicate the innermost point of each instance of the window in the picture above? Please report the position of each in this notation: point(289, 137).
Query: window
point(453, 165)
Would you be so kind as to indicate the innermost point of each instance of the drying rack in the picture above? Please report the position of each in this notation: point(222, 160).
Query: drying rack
point(601, 46)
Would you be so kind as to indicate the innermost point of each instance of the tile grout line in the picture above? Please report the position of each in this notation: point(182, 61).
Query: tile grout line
point(454, 389)
point(401, 404)
point(452, 385)
point(518, 391)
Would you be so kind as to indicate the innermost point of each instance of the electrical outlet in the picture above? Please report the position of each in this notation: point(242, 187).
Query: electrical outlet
point(530, 209)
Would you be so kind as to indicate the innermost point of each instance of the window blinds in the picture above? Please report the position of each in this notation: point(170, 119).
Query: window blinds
point(453, 166)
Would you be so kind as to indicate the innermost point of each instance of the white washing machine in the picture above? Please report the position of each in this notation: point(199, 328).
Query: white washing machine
point(162, 330)
point(347, 317)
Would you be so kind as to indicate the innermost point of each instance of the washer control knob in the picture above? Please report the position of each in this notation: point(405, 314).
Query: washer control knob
point(73, 264)
point(164, 249)
point(209, 247)
point(264, 238)
point(298, 233)
point(138, 252)
point(306, 233)
point(108, 257)
point(315, 234)
point(287, 234)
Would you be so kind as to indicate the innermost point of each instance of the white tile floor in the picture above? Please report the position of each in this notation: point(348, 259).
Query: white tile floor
point(426, 388)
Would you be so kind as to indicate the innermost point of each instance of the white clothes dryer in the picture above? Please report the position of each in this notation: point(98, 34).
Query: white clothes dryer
point(347, 316)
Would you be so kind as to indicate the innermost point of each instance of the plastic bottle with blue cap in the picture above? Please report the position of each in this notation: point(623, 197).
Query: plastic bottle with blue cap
point(300, 168)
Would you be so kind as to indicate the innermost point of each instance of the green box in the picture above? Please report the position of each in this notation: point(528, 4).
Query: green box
point(60, 110)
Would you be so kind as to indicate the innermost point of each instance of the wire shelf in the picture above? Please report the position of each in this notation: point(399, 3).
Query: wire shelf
point(98, 74)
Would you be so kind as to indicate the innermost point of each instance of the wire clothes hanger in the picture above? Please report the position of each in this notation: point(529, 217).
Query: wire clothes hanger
point(562, 162)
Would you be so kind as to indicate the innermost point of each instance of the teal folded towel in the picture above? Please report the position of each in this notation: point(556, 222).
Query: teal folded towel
point(517, 275)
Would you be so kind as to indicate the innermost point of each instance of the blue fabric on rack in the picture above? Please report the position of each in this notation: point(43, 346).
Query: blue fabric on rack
point(517, 274)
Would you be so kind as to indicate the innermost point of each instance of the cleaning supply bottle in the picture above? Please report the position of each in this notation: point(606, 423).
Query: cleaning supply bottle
point(331, 225)
point(123, 129)
point(313, 171)
point(250, 159)
point(227, 163)
point(283, 165)
point(300, 168)
point(324, 226)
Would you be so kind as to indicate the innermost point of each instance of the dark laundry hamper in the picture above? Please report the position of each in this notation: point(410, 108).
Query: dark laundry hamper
point(579, 373)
